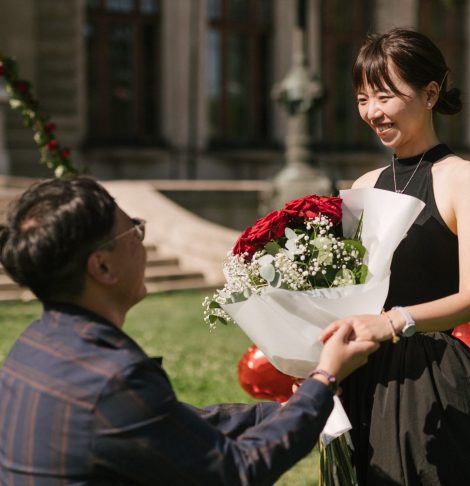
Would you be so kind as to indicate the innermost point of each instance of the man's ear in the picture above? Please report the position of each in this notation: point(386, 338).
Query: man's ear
point(100, 269)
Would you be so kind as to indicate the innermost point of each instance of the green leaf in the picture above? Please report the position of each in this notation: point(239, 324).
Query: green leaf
point(358, 234)
point(322, 243)
point(277, 280)
point(214, 305)
point(347, 276)
point(324, 257)
point(290, 233)
point(272, 248)
point(267, 272)
point(213, 319)
point(361, 273)
point(350, 245)
point(237, 297)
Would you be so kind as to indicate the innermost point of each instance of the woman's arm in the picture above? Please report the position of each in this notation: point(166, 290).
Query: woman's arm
point(451, 184)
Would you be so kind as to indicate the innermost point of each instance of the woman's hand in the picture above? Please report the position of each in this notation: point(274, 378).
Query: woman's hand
point(342, 354)
point(367, 327)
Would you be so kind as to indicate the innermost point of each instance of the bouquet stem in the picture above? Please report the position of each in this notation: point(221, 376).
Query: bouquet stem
point(336, 468)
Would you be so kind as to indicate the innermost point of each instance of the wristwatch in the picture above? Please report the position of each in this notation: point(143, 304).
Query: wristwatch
point(332, 383)
point(410, 325)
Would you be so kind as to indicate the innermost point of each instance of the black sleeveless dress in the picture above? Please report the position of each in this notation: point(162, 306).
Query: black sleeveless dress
point(410, 405)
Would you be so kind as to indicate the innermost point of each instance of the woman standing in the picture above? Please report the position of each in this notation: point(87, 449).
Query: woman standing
point(410, 406)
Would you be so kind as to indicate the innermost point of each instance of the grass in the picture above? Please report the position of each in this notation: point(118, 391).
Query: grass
point(202, 365)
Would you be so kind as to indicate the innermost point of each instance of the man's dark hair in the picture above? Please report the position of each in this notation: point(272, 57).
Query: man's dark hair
point(50, 232)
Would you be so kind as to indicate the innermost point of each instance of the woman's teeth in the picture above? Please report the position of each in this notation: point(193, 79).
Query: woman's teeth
point(383, 127)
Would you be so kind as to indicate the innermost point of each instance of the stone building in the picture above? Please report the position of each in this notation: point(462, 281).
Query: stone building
point(181, 89)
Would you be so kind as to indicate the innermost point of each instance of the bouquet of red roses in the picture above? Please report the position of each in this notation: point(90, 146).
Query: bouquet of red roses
point(316, 260)
point(273, 225)
point(299, 247)
point(298, 269)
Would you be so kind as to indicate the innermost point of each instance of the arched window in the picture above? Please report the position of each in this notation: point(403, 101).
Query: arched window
point(122, 40)
point(344, 27)
point(239, 83)
point(444, 22)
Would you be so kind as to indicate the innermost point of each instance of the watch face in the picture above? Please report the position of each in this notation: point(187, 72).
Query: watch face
point(409, 330)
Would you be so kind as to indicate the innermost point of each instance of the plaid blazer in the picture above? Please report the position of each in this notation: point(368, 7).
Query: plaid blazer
point(82, 404)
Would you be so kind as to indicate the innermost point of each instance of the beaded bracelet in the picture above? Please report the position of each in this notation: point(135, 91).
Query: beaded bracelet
point(332, 383)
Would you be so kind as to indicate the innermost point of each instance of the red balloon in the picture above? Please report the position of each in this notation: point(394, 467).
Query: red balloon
point(260, 379)
point(462, 332)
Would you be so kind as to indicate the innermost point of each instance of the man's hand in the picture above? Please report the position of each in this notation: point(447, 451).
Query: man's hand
point(343, 353)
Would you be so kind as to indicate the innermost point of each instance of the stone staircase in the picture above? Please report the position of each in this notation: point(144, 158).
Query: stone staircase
point(183, 250)
point(163, 274)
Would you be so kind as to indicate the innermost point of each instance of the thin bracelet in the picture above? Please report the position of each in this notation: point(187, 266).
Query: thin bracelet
point(332, 383)
point(395, 337)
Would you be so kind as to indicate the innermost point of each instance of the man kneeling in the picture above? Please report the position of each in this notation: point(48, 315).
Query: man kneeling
point(81, 402)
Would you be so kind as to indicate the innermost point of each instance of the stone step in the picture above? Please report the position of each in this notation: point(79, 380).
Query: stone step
point(162, 274)
point(22, 294)
point(170, 273)
point(189, 284)
point(6, 283)
point(18, 293)
point(154, 260)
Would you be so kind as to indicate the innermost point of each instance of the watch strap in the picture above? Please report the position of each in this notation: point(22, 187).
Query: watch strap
point(410, 326)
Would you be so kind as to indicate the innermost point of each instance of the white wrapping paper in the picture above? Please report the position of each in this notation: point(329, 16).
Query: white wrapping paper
point(285, 324)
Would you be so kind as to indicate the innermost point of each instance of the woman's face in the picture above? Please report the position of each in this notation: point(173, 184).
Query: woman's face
point(401, 122)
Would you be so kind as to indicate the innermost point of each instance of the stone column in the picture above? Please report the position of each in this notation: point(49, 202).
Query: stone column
point(298, 93)
point(4, 158)
point(399, 13)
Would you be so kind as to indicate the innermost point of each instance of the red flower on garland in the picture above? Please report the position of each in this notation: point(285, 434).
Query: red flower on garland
point(22, 86)
point(23, 100)
point(52, 144)
point(50, 127)
point(65, 152)
point(274, 223)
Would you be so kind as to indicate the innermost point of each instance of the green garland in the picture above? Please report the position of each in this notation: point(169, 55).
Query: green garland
point(53, 155)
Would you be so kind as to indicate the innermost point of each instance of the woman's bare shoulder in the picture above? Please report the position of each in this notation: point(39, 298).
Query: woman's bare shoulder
point(453, 169)
point(368, 179)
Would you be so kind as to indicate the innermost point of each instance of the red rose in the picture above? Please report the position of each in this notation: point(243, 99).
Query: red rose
point(65, 152)
point(264, 230)
point(312, 205)
point(22, 86)
point(52, 144)
point(2, 68)
point(50, 127)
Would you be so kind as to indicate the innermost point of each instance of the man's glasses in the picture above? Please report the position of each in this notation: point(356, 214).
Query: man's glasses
point(138, 226)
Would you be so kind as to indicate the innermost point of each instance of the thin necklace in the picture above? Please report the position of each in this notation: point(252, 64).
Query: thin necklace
point(394, 158)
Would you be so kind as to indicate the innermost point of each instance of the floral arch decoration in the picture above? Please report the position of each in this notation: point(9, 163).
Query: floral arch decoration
point(52, 154)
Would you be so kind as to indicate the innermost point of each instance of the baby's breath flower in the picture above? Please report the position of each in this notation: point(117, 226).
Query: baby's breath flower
point(300, 265)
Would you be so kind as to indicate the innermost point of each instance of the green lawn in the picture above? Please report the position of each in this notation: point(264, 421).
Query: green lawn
point(201, 364)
